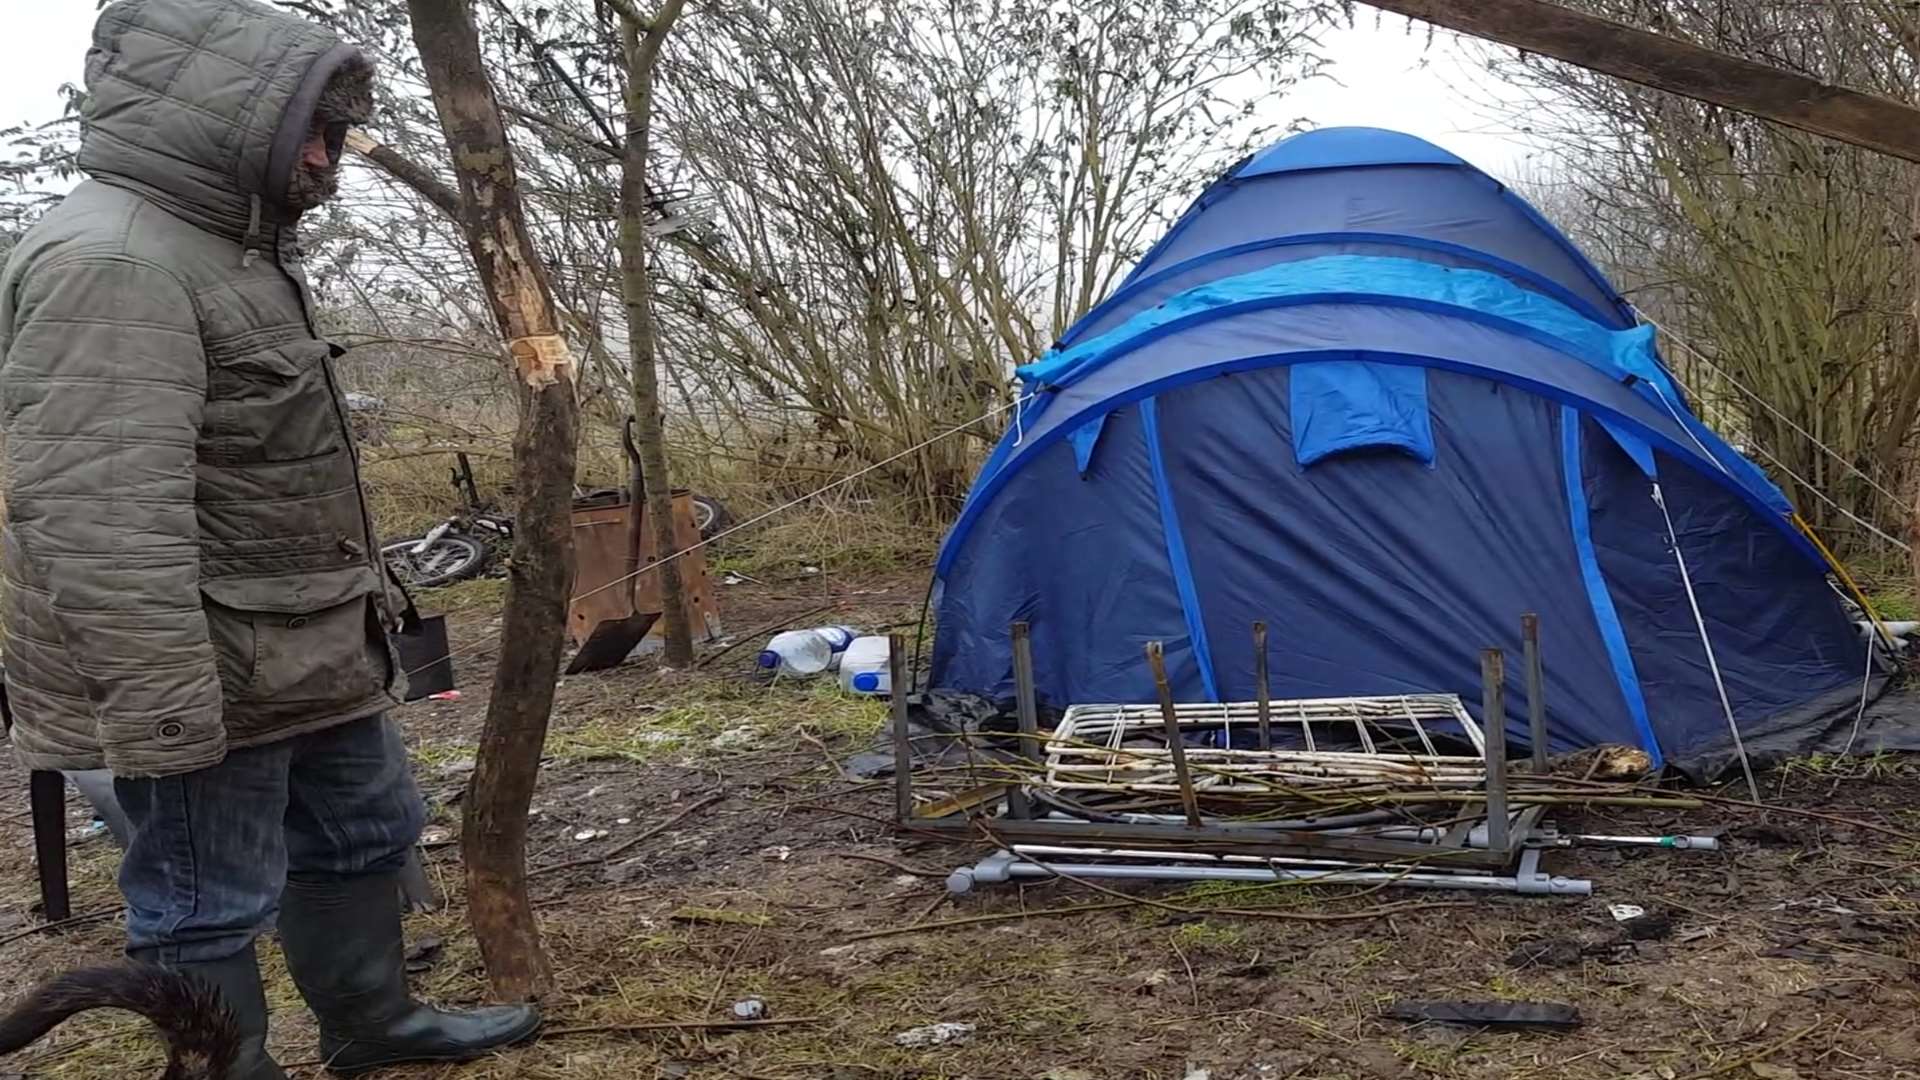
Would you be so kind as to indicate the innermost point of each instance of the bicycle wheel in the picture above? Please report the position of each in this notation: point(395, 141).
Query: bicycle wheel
point(711, 516)
point(451, 558)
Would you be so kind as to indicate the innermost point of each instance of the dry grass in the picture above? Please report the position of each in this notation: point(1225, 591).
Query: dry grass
point(827, 534)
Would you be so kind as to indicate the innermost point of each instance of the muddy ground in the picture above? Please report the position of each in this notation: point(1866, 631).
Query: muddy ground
point(1792, 953)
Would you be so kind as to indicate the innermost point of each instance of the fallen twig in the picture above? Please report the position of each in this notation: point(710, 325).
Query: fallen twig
point(622, 849)
point(1193, 981)
point(679, 1025)
point(1762, 1054)
point(1380, 912)
point(1836, 819)
point(61, 924)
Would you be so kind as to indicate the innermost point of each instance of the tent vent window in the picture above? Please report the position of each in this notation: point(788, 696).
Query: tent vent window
point(1346, 406)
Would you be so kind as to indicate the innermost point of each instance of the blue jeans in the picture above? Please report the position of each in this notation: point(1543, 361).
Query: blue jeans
point(210, 850)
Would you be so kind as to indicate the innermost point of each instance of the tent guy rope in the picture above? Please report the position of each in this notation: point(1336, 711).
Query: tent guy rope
point(1769, 407)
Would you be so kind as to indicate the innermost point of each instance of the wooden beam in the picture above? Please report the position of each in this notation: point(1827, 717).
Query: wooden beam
point(1679, 67)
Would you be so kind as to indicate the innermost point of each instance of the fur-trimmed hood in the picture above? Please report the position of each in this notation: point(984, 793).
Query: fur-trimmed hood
point(202, 105)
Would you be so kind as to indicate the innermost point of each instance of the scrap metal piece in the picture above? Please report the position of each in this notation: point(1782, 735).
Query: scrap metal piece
point(611, 642)
point(1501, 1015)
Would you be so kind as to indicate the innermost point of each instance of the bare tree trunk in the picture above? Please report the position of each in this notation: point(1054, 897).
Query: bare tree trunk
point(1913, 519)
point(641, 42)
point(494, 837)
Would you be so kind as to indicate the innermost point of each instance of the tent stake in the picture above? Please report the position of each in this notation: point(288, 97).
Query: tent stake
point(1028, 706)
point(1536, 692)
point(902, 738)
point(1156, 659)
point(1493, 708)
point(1260, 685)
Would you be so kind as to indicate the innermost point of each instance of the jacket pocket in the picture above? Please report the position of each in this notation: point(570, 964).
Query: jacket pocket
point(312, 637)
point(272, 405)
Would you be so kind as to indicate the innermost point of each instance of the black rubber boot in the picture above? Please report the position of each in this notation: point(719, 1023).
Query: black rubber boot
point(238, 979)
point(343, 946)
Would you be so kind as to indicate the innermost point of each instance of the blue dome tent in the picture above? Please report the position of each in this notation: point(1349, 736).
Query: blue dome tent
point(1364, 393)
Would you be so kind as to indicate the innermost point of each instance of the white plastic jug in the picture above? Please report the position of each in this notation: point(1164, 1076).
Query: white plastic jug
point(806, 652)
point(864, 668)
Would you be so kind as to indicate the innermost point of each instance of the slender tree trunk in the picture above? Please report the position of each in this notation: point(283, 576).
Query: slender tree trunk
point(1913, 246)
point(494, 836)
point(641, 46)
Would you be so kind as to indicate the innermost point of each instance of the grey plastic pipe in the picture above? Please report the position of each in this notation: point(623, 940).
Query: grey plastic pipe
point(1003, 867)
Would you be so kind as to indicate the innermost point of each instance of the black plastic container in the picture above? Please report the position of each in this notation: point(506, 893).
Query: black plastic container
point(426, 658)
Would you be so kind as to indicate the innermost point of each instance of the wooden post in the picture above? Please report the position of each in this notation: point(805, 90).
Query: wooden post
point(494, 833)
point(1680, 67)
point(1262, 690)
point(902, 737)
point(47, 800)
point(1027, 704)
point(1493, 725)
point(1170, 717)
point(1536, 692)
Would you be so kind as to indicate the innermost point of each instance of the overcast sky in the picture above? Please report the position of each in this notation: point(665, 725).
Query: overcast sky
point(1386, 77)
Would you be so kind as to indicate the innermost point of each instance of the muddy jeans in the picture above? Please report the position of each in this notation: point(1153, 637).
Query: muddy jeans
point(211, 849)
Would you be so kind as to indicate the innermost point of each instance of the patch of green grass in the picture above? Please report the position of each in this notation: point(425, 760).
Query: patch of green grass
point(1895, 605)
point(606, 739)
point(1203, 937)
point(709, 716)
point(830, 711)
point(474, 594)
point(1280, 895)
point(1882, 765)
point(433, 757)
point(1368, 953)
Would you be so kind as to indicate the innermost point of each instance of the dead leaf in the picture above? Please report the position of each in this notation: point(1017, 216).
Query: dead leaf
point(1772, 1072)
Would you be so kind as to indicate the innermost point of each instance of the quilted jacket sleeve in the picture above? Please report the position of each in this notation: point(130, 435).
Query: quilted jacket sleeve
point(106, 383)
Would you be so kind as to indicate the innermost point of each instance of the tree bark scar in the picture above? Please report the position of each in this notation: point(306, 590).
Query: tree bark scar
point(542, 359)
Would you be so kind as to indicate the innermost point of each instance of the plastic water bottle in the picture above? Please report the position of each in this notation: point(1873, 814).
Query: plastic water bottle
point(806, 652)
point(864, 669)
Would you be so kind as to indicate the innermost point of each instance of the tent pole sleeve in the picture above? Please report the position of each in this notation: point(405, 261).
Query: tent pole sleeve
point(1612, 633)
point(1177, 549)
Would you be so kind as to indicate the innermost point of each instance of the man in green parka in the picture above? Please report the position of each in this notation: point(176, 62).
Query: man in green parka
point(194, 597)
